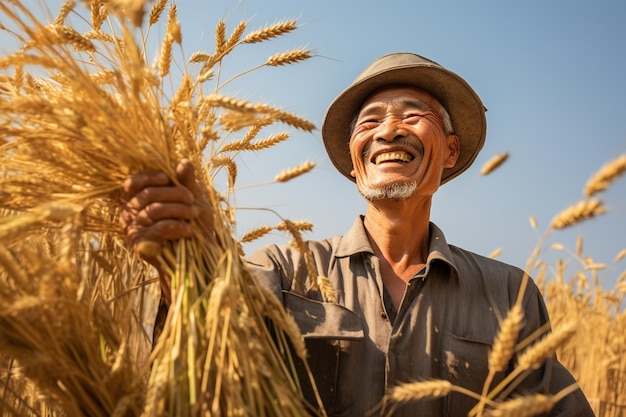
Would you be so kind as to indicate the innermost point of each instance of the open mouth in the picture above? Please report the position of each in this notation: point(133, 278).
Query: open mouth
point(395, 156)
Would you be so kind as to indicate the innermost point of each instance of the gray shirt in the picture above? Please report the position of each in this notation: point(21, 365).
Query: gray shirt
point(444, 328)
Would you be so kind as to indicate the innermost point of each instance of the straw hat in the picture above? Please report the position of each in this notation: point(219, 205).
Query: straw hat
point(466, 110)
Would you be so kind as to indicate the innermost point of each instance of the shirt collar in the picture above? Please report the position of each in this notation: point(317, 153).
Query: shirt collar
point(356, 241)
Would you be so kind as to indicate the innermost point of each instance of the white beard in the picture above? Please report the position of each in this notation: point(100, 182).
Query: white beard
point(395, 191)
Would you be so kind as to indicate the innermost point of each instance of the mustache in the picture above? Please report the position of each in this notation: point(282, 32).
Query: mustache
point(417, 146)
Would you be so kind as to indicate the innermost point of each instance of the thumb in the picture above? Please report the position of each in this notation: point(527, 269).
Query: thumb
point(186, 174)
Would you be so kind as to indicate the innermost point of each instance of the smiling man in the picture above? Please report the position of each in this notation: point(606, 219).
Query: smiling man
point(410, 307)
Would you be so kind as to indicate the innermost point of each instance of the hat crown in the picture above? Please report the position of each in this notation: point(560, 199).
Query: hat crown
point(394, 61)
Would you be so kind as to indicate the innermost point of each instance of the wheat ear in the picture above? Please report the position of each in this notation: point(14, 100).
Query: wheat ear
point(495, 162)
point(269, 32)
point(583, 210)
point(542, 350)
point(602, 179)
point(294, 172)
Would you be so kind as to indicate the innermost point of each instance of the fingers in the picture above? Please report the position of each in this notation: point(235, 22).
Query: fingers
point(163, 210)
point(157, 203)
point(143, 180)
point(159, 232)
point(187, 175)
point(204, 213)
point(154, 210)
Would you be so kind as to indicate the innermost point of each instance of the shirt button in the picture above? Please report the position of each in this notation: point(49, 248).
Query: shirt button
point(383, 314)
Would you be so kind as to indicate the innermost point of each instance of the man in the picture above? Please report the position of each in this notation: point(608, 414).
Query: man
point(410, 307)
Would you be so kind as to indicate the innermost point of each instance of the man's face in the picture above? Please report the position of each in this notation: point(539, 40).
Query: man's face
point(398, 140)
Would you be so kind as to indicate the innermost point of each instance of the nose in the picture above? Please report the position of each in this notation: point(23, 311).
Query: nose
point(390, 131)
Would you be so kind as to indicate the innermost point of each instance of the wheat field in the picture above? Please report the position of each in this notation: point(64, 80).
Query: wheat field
point(84, 106)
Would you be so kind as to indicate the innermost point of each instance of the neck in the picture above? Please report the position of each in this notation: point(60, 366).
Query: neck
point(399, 232)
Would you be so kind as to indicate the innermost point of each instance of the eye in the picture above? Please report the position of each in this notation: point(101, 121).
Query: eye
point(413, 118)
point(368, 123)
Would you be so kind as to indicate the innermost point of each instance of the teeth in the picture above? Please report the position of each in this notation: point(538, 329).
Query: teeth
point(393, 156)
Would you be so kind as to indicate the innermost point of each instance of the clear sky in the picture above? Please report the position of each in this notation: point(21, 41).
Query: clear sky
point(551, 74)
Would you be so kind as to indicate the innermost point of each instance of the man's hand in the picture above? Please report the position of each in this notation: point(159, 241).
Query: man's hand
point(155, 211)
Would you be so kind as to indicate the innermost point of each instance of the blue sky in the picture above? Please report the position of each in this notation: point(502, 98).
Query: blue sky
point(551, 74)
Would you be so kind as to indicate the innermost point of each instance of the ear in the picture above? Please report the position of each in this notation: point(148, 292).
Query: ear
point(352, 174)
point(453, 151)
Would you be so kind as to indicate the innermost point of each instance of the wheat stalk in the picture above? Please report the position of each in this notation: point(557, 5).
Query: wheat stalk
point(317, 280)
point(256, 233)
point(416, 391)
point(493, 163)
point(530, 405)
point(291, 173)
point(289, 57)
point(156, 11)
point(540, 351)
point(74, 137)
point(605, 176)
point(270, 32)
point(583, 210)
point(504, 346)
point(64, 11)
point(526, 406)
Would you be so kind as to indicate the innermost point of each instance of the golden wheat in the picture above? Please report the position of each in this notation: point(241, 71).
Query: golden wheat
point(583, 210)
point(96, 113)
point(220, 37)
point(527, 406)
point(289, 57)
point(419, 390)
point(256, 233)
point(72, 37)
point(93, 112)
point(495, 162)
point(579, 246)
point(64, 11)
point(599, 315)
point(270, 32)
point(546, 347)
point(156, 11)
point(504, 346)
point(236, 35)
point(291, 173)
point(98, 14)
point(603, 179)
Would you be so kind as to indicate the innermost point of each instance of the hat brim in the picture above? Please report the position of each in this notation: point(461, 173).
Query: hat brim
point(466, 110)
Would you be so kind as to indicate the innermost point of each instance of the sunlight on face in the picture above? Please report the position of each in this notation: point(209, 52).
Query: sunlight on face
point(399, 144)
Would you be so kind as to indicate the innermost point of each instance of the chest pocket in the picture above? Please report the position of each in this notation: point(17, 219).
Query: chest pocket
point(329, 331)
point(464, 362)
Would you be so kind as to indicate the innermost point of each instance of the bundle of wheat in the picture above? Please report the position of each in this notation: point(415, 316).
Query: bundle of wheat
point(595, 354)
point(81, 110)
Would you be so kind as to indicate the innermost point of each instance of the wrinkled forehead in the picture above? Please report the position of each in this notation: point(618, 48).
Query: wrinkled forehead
point(401, 95)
